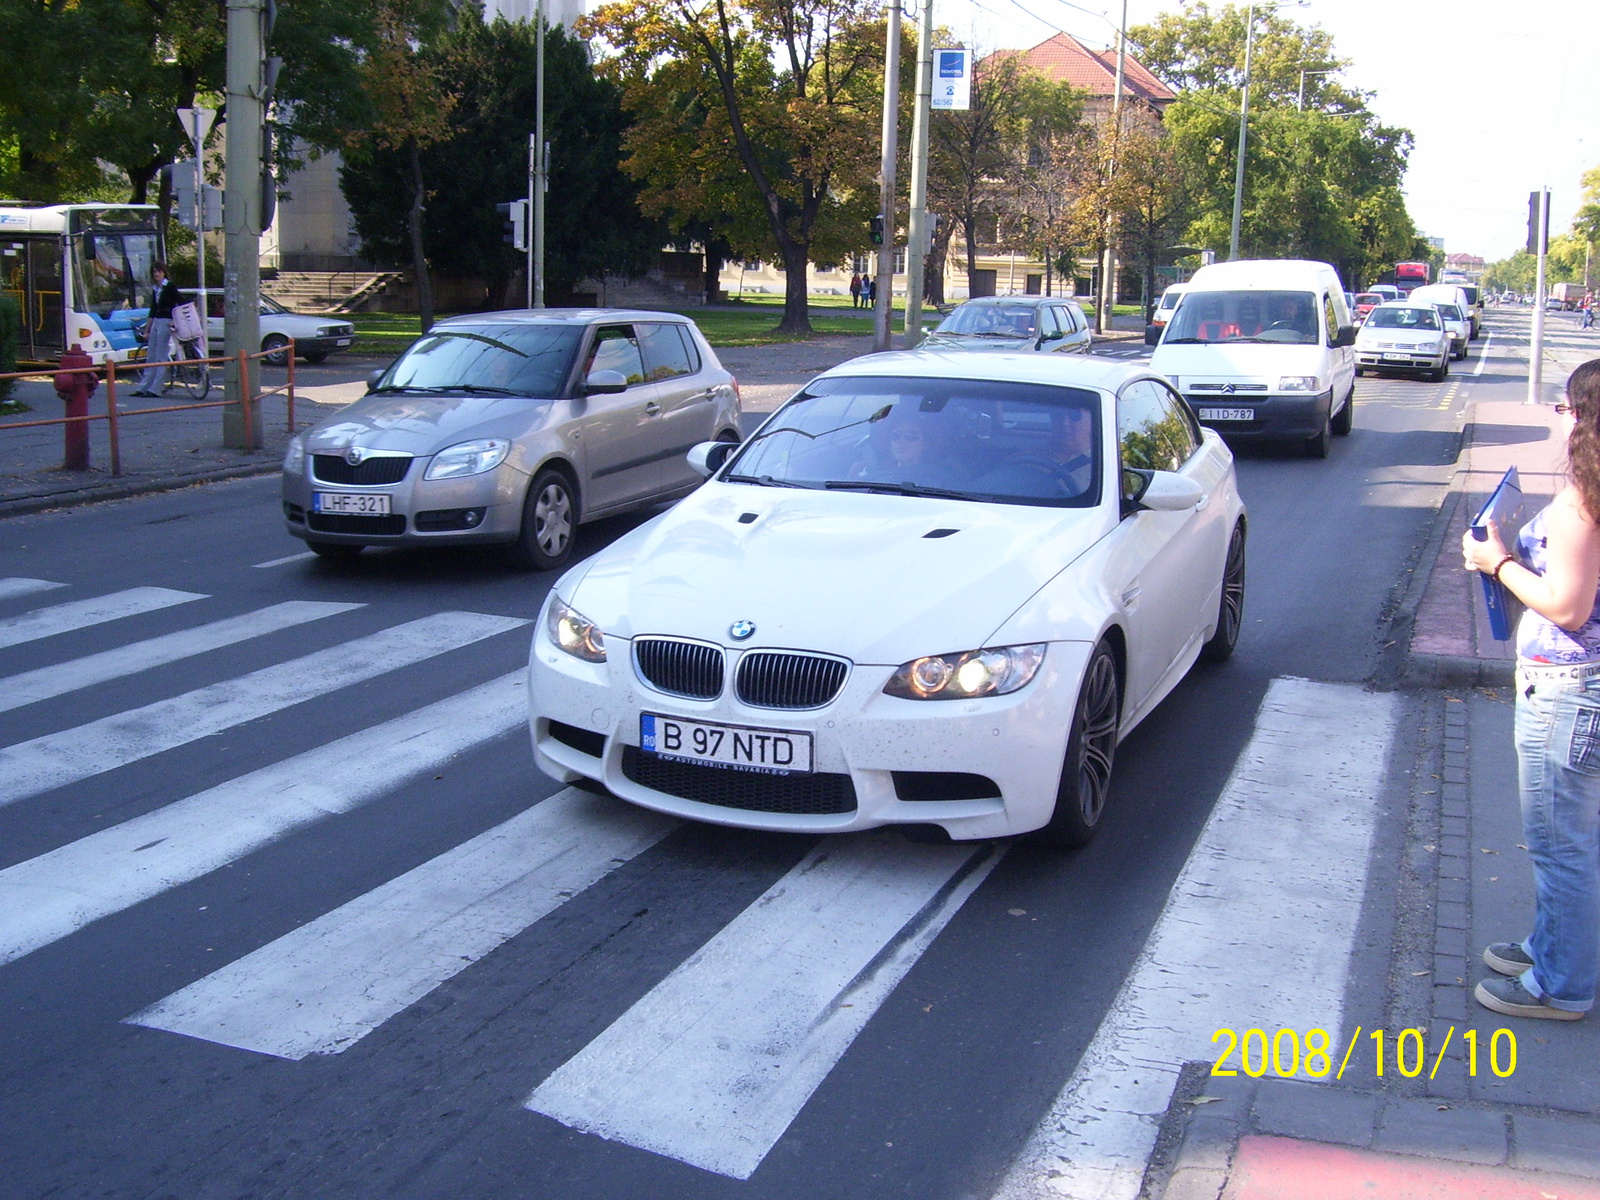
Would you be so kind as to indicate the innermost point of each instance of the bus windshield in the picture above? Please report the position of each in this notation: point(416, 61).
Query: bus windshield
point(113, 270)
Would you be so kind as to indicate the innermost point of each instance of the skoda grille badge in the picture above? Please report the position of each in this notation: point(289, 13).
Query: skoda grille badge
point(354, 455)
point(741, 630)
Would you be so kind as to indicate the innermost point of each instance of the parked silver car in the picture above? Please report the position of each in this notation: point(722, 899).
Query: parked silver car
point(315, 337)
point(512, 427)
point(1046, 323)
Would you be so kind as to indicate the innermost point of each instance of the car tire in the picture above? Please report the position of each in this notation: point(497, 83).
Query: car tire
point(275, 350)
point(1317, 445)
point(1344, 420)
point(1091, 748)
point(335, 551)
point(314, 359)
point(1230, 608)
point(1441, 373)
point(1360, 371)
point(549, 522)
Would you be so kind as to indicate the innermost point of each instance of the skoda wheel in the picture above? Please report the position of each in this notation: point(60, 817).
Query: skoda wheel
point(1091, 748)
point(549, 522)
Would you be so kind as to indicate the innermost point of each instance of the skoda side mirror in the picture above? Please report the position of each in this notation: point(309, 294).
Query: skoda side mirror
point(372, 380)
point(605, 383)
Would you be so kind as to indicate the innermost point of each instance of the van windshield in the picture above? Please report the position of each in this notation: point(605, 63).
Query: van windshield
point(1246, 316)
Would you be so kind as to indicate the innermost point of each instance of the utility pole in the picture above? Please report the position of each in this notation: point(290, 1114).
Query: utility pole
point(883, 281)
point(1244, 126)
point(242, 212)
point(917, 227)
point(541, 173)
point(1107, 296)
point(533, 190)
point(1536, 345)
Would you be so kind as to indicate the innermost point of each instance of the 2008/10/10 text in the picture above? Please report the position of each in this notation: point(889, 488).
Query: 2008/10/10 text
point(1287, 1054)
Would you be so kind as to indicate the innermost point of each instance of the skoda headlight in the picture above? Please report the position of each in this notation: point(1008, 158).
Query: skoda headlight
point(294, 458)
point(575, 633)
point(468, 458)
point(1298, 383)
point(992, 672)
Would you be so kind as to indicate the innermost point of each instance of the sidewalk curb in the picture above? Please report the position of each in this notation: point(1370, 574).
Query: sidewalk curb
point(76, 497)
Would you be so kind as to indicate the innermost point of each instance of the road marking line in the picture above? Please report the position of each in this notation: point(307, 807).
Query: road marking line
point(32, 686)
point(56, 759)
point(1252, 935)
point(326, 985)
point(715, 1062)
point(287, 558)
point(57, 893)
point(17, 586)
point(1483, 355)
point(80, 614)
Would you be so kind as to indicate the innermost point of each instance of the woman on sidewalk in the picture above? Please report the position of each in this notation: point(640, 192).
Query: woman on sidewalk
point(1556, 573)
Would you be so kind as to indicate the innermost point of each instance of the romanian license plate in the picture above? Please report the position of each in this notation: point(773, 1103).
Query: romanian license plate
point(351, 503)
point(1227, 414)
point(737, 747)
point(1397, 358)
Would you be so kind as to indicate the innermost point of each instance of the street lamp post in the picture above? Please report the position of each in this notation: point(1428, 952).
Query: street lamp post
point(1300, 97)
point(1244, 123)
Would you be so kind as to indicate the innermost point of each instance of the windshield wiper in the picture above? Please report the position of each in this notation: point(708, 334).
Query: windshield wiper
point(475, 389)
point(1185, 342)
point(895, 489)
point(765, 481)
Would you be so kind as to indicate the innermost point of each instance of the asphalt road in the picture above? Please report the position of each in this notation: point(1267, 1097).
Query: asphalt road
point(934, 1097)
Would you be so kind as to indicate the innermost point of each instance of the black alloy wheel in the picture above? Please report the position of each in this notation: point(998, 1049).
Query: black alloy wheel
point(1091, 748)
point(549, 522)
point(1230, 610)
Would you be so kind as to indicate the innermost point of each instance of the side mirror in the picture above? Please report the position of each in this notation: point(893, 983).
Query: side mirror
point(1166, 491)
point(605, 383)
point(707, 458)
point(372, 380)
point(1346, 336)
point(1152, 334)
point(1054, 335)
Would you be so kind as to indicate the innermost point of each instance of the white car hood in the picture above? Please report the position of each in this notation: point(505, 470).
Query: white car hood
point(840, 572)
point(1219, 362)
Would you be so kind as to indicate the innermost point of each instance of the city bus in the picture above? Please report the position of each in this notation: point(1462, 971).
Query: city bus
point(1408, 276)
point(80, 273)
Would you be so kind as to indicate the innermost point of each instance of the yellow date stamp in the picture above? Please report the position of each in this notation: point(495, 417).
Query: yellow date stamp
point(1288, 1052)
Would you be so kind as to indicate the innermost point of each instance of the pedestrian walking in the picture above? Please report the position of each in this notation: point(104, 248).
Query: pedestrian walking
point(866, 291)
point(1588, 311)
point(1555, 571)
point(855, 290)
point(158, 332)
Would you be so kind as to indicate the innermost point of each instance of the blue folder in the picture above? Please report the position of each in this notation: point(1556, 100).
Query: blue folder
point(1504, 511)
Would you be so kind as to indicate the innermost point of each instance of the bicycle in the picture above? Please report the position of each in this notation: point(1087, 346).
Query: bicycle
point(184, 372)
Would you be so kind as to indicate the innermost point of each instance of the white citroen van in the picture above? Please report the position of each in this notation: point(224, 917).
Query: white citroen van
point(1264, 349)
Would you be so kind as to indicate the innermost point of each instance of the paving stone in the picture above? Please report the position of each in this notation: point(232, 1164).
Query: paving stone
point(1453, 791)
point(1450, 942)
point(1195, 1183)
point(1453, 891)
point(1455, 755)
point(1447, 970)
point(1452, 868)
point(1454, 808)
point(1453, 827)
point(1317, 1113)
point(1453, 847)
point(1450, 915)
point(1450, 1003)
point(1209, 1141)
point(1455, 775)
point(1450, 1084)
point(1550, 1144)
point(1466, 1134)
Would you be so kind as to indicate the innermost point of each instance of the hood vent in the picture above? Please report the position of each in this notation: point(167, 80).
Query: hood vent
point(689, 669)
point(780, 679)
point(940, 533)
point(746, 518)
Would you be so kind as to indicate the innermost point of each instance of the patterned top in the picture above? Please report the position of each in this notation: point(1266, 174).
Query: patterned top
point(1538, 638)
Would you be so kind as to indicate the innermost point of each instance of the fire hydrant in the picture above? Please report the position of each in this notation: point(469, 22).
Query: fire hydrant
point(75, 387)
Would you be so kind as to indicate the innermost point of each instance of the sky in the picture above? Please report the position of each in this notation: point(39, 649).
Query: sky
point(1500, 97)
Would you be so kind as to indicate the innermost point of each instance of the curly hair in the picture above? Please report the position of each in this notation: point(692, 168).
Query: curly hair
point(1583, 446)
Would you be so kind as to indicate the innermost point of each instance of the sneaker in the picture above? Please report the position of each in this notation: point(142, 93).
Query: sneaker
point(1509, 958)
point(1508, 996)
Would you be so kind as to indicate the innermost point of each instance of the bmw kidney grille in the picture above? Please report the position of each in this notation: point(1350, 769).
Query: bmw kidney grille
point(689, 669)
point(781, 679)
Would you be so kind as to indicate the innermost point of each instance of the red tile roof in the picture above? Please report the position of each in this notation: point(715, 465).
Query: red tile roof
point(1067, 60)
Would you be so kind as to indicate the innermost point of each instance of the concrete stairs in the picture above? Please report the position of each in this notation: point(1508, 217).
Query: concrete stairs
point(327, 291)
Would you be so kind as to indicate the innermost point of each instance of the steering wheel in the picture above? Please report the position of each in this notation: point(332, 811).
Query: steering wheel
point(1059, 474)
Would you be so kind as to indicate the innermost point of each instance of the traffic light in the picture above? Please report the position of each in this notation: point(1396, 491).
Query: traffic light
point(877, 230)
point(934, 222)
point(515, 214)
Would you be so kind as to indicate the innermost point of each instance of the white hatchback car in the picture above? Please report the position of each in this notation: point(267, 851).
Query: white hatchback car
point(1401, 336)
point(934, 589)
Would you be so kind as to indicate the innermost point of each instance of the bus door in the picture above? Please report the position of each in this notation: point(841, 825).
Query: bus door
point(30, 273)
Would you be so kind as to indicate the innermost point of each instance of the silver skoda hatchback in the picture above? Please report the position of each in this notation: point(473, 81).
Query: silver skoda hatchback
point(512, 427)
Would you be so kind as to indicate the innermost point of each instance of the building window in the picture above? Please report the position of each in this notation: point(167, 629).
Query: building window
point(900, 261)
point(862, 264)
point(752, 264)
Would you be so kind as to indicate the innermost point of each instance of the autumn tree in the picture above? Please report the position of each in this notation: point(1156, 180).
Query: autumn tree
point(759, 117)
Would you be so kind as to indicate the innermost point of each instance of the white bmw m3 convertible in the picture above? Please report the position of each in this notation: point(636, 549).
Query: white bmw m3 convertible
point(933, 589)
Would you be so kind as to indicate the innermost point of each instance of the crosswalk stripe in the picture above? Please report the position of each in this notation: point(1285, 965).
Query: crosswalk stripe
point(48, 897)
point(713, 1064)
point(1256, 933)
point(326, 985)
point(57, 759)
point(80, 614)
point(32, 686)
point(18, 586)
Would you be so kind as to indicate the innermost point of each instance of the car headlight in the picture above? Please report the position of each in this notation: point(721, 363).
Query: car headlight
point(992, 672)
point(294, 458)
point(468, 458)
point(1298, 383)
point(575, 633)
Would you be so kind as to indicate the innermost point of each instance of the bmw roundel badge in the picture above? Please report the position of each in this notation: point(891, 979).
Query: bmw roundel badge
point(741, 630)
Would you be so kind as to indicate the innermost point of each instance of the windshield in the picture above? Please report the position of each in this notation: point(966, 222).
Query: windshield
point(520, 360)
point(1007, 443)
point(113, 271)
point(995, 320)
point(1250, 316)
point(1450, 311)
point(1403, 318)
point(1369, 298)
point(1170, 298)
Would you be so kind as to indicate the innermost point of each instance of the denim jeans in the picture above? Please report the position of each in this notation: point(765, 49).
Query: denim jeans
point(156, 354)
point(1558, 761)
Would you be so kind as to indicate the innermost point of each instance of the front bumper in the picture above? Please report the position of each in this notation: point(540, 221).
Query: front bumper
point(1018, 742)
point(323, 345)
point(1272, 416)
point(1401, 360)
point(484, 508)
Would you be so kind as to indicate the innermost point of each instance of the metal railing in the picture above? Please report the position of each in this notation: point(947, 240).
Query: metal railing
point(247, 403)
